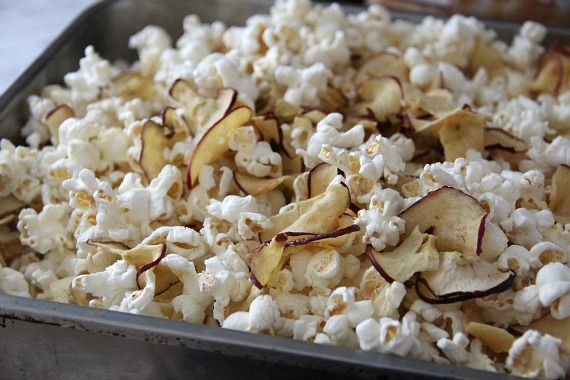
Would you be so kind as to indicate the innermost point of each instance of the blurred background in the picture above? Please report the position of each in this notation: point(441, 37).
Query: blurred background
point(28, 26)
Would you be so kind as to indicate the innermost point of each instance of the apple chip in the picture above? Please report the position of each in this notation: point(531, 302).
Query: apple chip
point(265, 261)
point(497, 138)
point(202, 113)
point(382, 97)
point(497, 339)
point(415, 254)
point(268, 127)
point(461, 277)
point(559, 198)
point(174, 128)
point(382, 64)
point(214, 141)
point(152, 151)
point(251, 185)
point(553, 72)
point(55, 117)
point(134, 85)
point(559, 328)
point(320, 177)
point(322, 215)
point(486, 56)
point(455, 218)
point(458, 131)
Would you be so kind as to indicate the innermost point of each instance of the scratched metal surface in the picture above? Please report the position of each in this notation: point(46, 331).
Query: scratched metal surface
point(55, 341)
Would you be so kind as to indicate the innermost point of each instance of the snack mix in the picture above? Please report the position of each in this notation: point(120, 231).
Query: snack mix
point(344, 179)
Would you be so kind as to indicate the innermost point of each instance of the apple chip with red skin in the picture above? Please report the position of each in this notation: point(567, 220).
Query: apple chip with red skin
point(200, 112)
point(382, 64)
point(251, 185)
point(415, 254)
point(559, 198)
point(320, 177)
point(455, 218)
point(458, 131)
point(382, 97)
point(461, 277)
point(553, 72)
point(214, 141)
point(265, 262)
point(55, 117)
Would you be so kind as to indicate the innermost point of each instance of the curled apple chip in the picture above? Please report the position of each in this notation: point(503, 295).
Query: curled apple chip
point(251, 185)
point(382, 97)
point(322, 215)
point(268, 127)
point(486, 56)
point(458, 131)
point(174, 128)
point(553, 72)
point(559, 198)
point(497, 138)
point(154, 142)
point(55, 117)
point(461, 277)
point(415, 254)
point(320, 177)
point(384, 63)
point(214, 141)
point(146, 257)
point(265, 261)
point(496, 338)
point(455, 218)
point(201, 112)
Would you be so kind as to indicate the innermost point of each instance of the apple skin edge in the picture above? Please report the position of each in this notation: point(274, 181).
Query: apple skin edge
point(150, 265)
point(460, 296)
point(377, 266)
point(308, 237)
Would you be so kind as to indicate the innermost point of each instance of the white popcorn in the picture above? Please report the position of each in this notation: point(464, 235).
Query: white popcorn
point(255, 157)
point(324, 270)
point(526, 226)
point(306, 327)
point(339, 332)
point(150, 42)
point(94, 73)
point(380, 230)
point(240, 211)
point(303, 85)
point(45, 231)
point(554, 288)
point(535, 355)
point(180, 240)
point(455, 349)
point(18, 172)
point(13, 282)
point(328, 134)
point(342, 302)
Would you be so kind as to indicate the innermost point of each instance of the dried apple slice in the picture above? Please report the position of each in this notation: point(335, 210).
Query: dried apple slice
point(496, 138)
point(559, 328)
point(251, 185)
point(10, 205)
point(268, 126)
point(455, 218)
point(214, 141)
point(134, 85)
point(320, 177)
point(486, 56)
point(553, 72)
point(559, 198)
point(461, 277)
point(144, 258)
point(497, 339)
point(383, 64)
point(265, 261)
point(416, 254)
point(202, 112)
point(55, 117)
point(154, 142)
point(382, 97)
point(174, 128)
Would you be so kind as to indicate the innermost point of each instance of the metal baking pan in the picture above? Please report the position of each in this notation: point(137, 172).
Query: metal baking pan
point(45, 340)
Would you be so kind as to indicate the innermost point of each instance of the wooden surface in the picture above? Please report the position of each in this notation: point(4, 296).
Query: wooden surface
point(27, 27)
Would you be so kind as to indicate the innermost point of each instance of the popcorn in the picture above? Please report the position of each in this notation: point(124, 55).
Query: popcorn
point(13, 282)
point(534, 355)
point(89, 217)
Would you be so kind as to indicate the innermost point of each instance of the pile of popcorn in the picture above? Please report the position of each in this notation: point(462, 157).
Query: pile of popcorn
point(318, 175)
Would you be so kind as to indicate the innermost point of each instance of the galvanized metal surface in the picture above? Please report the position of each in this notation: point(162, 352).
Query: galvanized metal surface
point(44, 340)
